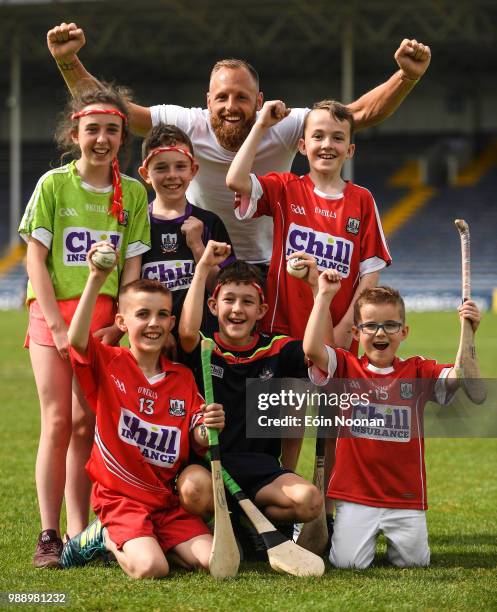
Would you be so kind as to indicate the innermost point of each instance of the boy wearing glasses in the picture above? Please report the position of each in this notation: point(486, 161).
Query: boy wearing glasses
point(378, 481)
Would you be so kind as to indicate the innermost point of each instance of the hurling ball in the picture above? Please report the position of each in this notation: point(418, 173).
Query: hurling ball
point(104, 257)
point(296, 268)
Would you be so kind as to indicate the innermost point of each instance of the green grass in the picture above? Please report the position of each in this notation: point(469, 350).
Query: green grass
point(436, 335)
point(462, 517)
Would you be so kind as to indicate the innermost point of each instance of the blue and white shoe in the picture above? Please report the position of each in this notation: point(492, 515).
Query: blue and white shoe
point(86, 546)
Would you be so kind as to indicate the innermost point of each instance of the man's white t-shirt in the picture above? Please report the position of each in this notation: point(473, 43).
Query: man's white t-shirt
point(252, 239)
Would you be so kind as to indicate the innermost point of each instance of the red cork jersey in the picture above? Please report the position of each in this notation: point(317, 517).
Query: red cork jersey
point(142, 434)
point(383, 465)
point(342, 232)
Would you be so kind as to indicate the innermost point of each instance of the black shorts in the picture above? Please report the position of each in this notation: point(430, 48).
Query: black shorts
point(251, 471)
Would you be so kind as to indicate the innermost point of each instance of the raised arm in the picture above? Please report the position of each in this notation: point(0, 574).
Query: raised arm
point(79, 329)
point(343, 330)
point(312, 279)
point(131, 271)
point(64, 41)
point(193, 306)
point(238, 177)
point(319, 320)
point(468, 310)
point(192, 229)
point(376, 105)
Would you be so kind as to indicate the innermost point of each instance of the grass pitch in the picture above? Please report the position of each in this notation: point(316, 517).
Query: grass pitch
point(462, 517)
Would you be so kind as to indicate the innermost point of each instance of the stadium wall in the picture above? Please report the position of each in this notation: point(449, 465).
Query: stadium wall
point(430, 108)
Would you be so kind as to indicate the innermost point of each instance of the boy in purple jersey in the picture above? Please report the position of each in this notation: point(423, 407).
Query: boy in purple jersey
point(179, 230)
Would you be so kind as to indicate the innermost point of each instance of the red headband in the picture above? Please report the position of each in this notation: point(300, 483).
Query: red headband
point(100, 111)
point(116, 206)
point(256, 285)
point(164, 150)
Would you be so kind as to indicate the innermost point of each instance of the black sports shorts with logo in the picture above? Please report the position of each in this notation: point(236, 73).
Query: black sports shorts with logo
point(251, 471)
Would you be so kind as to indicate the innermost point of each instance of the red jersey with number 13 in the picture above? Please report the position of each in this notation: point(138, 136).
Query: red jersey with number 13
point(142, 434)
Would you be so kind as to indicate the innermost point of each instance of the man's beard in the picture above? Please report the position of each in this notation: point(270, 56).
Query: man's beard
point(231, 137)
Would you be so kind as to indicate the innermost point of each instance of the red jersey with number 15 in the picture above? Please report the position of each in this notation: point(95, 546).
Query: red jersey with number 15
point(342, 232)
point(142, 433)
point(379, 459)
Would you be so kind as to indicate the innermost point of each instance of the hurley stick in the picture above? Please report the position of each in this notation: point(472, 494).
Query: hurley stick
point(225, 557)
point(466, 364)
point(314, 534)
point(284, 555)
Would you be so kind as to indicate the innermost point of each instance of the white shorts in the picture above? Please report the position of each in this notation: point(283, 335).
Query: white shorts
point(356, 528)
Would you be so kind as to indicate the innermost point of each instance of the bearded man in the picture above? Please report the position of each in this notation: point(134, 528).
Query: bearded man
point(217, 132)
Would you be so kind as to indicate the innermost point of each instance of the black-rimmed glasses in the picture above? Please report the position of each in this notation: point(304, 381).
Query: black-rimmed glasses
point(390, 327)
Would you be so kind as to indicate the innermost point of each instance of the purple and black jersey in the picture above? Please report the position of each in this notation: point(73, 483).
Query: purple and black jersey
point(170, 259)
point(267, 357)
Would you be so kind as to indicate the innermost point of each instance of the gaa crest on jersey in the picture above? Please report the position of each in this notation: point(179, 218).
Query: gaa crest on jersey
point(169, 243)
point(123, 218)
point(68, 212)
point(119, 383)
point(177, 407)
point(353, 225)
point(297, 209)
point(406, 390)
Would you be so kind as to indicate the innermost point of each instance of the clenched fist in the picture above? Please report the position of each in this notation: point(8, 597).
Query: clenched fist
point(413, 58)
point(64, 41)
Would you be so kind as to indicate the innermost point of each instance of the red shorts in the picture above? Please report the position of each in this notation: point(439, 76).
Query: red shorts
point(38, 330)
point(127, 519)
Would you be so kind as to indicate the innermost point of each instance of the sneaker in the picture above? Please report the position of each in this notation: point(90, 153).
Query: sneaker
point(48, 549)
point(86, 546)
point(297, 528)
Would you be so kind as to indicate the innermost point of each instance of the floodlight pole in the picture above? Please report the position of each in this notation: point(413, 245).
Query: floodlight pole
point(14, 103)
point(348, 79)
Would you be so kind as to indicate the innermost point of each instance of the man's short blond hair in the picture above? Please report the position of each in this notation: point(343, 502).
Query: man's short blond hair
point(235, 64)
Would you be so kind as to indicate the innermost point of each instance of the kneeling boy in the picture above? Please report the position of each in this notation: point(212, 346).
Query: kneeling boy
point(379, 480)
point(148, 413)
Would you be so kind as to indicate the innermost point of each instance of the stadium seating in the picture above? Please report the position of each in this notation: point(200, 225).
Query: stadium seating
point(426, 250)
point(37, 158)
point(13, 288)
